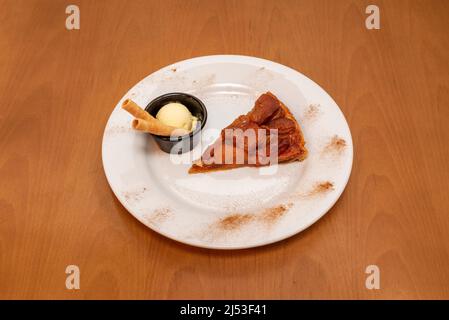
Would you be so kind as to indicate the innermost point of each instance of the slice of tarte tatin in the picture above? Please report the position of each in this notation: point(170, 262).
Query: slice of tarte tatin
point(266, 135)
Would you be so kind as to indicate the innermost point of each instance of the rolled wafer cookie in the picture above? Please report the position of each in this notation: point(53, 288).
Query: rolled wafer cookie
point(156, 127)
point(147, 123)
point(134, 109)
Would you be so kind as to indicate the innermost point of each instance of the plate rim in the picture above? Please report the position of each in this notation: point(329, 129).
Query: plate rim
point(239, 59)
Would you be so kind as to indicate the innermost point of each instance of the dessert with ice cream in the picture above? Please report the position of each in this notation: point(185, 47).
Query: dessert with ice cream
point(174, 120)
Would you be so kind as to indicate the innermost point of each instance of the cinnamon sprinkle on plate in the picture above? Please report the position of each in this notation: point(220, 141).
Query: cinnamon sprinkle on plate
point(322, 187)
point(267, 216)
point(159, 215)
point(336, 145)
point(134, 195)
point(234, 221)
point(273, 214)
point(312, 112)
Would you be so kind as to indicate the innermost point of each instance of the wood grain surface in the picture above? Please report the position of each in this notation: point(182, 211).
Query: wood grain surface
point(58, 88)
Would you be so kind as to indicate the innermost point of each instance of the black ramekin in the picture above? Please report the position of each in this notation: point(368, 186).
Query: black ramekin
point(186, 142)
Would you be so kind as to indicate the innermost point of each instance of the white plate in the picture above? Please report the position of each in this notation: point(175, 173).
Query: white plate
point(240, 208)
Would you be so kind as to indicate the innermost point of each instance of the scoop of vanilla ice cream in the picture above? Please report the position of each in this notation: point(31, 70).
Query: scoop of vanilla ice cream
point(176, 115)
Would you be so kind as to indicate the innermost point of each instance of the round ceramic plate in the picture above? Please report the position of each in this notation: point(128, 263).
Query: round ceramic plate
point(240, 208)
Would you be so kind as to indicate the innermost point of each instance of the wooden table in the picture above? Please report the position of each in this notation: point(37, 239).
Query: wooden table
point(58, 88)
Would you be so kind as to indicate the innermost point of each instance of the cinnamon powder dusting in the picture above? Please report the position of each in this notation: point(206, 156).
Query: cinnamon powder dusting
point(336, 145)
point(267, 216)
point(273, 214)
point(234, 221)
point(159, 215)
point(322, 187)
point(312, 112)
point(135, 195)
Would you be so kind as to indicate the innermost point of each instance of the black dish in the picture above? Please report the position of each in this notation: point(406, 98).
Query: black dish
point(186, 142)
